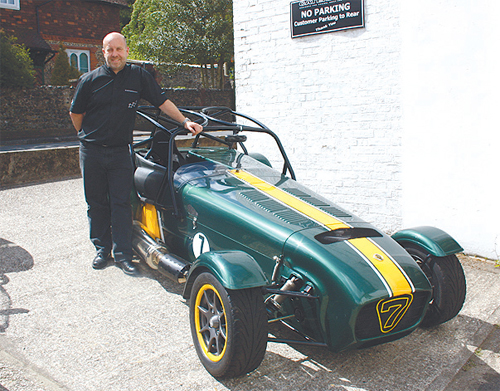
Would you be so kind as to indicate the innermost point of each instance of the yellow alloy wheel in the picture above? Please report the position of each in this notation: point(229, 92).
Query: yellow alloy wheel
point(210, 322)
point(229, 327)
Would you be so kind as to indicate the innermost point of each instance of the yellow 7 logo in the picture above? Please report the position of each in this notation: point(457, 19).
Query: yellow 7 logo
point(391, 311)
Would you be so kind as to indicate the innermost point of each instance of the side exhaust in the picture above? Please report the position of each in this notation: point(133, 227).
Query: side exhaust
point(157, 256)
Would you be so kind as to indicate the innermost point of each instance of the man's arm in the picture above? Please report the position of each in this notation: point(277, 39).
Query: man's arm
point(77, 120)
point(173, 112)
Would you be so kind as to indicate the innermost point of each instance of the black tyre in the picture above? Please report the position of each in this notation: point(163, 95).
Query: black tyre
point(448, 284)
point(229, 327)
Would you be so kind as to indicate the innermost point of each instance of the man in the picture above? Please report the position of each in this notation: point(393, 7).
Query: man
point(103, 113)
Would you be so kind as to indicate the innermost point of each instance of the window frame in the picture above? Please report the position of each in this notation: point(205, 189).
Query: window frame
point(78, 53)
point(15, 6)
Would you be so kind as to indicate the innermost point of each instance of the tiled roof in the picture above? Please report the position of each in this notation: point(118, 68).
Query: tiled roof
point(31, 39)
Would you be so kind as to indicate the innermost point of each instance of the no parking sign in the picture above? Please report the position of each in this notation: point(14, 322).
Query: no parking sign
point(309, 17)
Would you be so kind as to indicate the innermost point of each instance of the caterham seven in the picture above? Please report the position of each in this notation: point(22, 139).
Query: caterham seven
point(253, 246)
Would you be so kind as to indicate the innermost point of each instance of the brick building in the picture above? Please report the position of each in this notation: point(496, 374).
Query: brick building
point(80, 25)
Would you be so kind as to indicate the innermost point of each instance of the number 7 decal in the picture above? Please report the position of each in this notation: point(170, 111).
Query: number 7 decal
point(391, 311)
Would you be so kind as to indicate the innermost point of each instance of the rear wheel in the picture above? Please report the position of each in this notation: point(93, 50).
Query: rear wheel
point(229, 327)
point(448, 284)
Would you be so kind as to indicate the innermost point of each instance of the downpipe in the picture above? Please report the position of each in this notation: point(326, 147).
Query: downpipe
point(291, 285)
point(157, 256)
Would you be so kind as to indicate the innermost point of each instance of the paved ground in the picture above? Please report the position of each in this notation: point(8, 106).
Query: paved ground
point(65, 326)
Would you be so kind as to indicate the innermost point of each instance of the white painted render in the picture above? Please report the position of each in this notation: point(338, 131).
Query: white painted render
point(396, 121)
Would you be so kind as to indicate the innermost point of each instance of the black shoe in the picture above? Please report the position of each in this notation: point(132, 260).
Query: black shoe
point(128, 267)
point(100, 261)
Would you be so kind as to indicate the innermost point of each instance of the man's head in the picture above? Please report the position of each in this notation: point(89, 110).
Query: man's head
point(115, 50)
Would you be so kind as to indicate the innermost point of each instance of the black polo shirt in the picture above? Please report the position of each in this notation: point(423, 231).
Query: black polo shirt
point(109, 102)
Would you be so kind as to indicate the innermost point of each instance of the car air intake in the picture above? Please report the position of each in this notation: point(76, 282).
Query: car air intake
point(368, 322)
point(342, 234)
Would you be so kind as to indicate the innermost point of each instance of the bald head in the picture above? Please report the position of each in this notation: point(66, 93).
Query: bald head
point(112, 36)
point(115, 50)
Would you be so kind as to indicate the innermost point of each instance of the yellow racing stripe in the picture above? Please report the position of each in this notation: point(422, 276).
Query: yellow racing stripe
point(393, 277)
point(293, 202)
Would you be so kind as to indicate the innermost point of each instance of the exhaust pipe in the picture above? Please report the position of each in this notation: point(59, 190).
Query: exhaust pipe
point(275, 301)
point(157, 256)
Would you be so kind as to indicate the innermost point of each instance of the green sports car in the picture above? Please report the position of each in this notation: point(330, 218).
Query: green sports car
point(253, 246)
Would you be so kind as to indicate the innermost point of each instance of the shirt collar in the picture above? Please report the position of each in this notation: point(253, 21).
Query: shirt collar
point(110, 72)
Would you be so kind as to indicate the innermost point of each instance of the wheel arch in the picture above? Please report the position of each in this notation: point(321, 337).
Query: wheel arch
point(234, 270)
point(434, 240)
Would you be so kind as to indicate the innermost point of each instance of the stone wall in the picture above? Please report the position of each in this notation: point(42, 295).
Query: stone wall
point(38, 165)
point(37, 113)
point(185, 76)
point(42, 113)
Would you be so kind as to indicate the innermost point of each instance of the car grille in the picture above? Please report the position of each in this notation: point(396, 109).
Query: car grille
point(368, 325)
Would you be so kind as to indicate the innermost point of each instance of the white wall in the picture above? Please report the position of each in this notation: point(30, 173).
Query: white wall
point(451, 127)
point(350, 107)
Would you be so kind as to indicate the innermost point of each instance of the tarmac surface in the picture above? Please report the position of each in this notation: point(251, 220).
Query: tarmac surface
point(65, 326)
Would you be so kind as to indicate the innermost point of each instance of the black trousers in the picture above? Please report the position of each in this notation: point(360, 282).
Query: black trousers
point(107, 179)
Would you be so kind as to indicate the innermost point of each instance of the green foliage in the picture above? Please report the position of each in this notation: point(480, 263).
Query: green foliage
point(16, 66)
point(183, 32)
point(63, 72)
point(125, 13)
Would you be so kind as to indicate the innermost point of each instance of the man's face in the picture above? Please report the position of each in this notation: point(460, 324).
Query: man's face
point(115, 52)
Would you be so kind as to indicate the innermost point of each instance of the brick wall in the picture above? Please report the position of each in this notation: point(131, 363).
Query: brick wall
point(84, 20)
point(396, 121)
point(77, 24)
point(333, 98)
point(87, 20)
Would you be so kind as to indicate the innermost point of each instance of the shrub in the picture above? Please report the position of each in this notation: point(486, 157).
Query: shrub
point(63, 72)
point(16, 65)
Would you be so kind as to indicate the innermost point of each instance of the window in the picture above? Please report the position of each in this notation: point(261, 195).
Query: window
point(80, 59)
point(12, 4)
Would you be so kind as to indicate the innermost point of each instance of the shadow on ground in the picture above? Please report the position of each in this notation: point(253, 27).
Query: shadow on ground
point(13, 259)
point(411, 362)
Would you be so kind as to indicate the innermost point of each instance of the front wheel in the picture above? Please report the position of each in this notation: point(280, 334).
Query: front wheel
point(447, 279)
point(229, 327)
